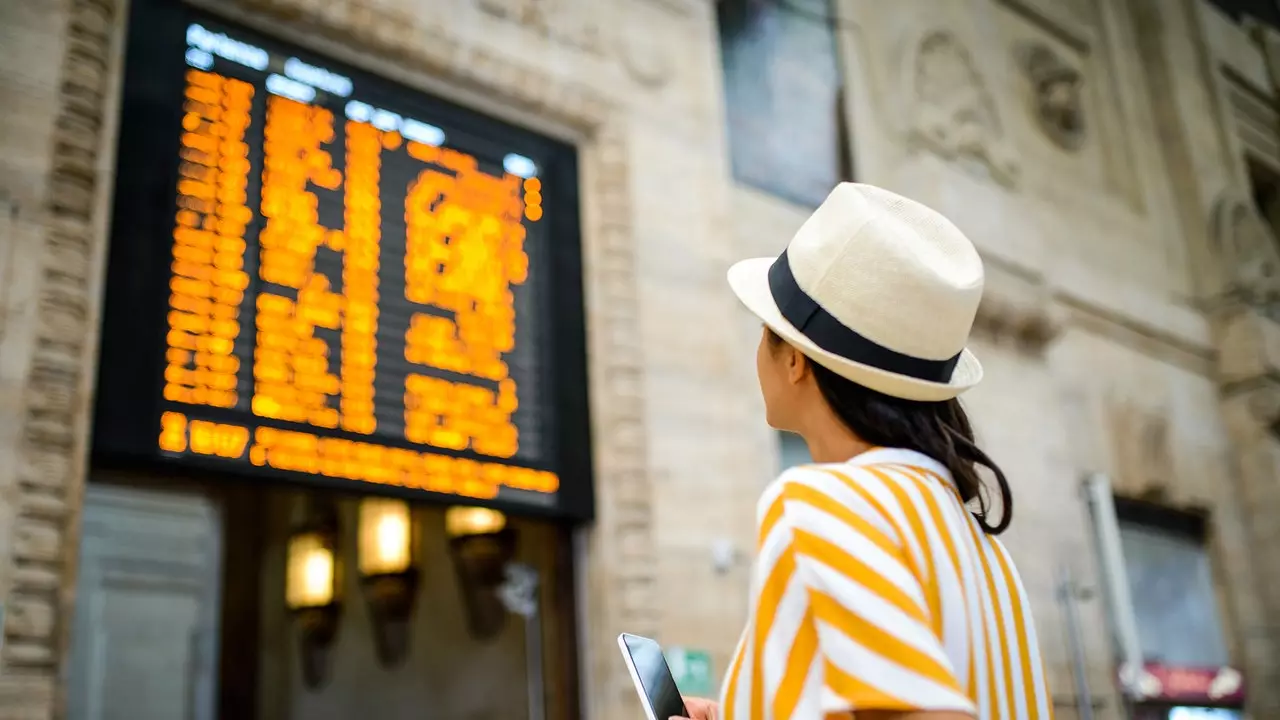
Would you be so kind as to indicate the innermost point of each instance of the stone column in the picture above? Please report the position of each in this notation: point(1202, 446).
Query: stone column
point(1245, 312)
point(61, 65)
point(1249, 372)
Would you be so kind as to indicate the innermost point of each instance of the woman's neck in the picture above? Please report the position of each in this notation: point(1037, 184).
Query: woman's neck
point(833, 443)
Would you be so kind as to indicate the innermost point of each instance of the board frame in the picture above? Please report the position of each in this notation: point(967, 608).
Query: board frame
point(129, 403)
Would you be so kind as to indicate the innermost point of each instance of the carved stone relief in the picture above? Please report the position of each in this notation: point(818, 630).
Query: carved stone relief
point(1056, 99)
point(954, 113)
point(1249, 258)
point(1247, 254)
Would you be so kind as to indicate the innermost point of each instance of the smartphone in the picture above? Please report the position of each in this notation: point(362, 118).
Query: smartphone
point(653, 679)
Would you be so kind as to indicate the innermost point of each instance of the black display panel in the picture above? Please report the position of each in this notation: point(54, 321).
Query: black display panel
point(320, 275)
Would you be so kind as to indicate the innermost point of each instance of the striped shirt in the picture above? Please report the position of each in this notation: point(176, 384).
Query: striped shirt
point(875, 589)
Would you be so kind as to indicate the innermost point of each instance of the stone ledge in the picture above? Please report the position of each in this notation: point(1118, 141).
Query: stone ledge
point(1125, 329)
point(1017, 304)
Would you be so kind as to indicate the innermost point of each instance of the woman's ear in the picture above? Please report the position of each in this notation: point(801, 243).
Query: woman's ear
point(797, 365)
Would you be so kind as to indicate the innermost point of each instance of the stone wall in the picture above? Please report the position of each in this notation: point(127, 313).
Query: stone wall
point(1083, 145)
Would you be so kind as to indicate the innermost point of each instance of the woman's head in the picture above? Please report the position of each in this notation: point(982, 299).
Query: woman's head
point(881, 292)
point(799, 392)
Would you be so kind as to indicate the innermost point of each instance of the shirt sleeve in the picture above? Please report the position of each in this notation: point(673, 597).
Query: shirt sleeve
point(842, 621)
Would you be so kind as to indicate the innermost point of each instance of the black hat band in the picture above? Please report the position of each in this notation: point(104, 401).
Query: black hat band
point(833, 336)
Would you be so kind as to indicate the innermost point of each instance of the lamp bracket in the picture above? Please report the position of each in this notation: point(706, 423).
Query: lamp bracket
point(519, 591)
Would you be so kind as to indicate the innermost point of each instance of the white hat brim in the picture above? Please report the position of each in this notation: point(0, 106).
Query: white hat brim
point(749, 280)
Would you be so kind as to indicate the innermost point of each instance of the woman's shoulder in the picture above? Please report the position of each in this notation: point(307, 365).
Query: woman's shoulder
point(876, 483)
point(809, 474)
point(871, 467)
point(810, 482)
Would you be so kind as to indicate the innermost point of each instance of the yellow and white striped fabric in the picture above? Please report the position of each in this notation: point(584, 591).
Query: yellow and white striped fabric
point(875, 589)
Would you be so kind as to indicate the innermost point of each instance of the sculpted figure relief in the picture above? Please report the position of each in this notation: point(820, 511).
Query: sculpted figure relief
point(1248, 254)
point(954, 113)
point(1056, 96)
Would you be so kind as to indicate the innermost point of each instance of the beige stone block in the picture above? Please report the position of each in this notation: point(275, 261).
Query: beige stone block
point(37, 540)
point(26, 696)
point(684, 325)
point(30, 618)
point(702, 609)
point(30, 655)
point(37, 578)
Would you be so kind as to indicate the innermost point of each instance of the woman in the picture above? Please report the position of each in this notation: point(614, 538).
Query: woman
point(879, 588)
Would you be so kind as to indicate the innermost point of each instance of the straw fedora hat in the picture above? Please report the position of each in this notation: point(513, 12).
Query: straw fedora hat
point(876, 288)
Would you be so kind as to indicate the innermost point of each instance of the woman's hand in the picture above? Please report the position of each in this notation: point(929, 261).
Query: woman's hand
point(700, 709)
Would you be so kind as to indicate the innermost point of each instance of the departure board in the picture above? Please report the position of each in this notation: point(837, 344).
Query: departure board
point(354, 283)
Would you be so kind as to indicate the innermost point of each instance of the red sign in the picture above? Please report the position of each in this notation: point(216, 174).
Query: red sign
point(1185, 685)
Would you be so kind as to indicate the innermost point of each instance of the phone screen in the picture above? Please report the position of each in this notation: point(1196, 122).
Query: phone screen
point(654, 676)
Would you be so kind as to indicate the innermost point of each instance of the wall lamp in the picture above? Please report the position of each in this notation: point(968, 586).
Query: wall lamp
point(481, 545)
point(387, 554)
point(313, 582)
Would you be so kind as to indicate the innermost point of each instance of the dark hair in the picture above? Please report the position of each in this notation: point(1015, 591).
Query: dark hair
point(940, 430)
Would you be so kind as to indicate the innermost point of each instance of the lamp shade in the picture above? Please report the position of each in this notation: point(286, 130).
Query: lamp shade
point(311, 575)
point(464, 521)
point(386, 536)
